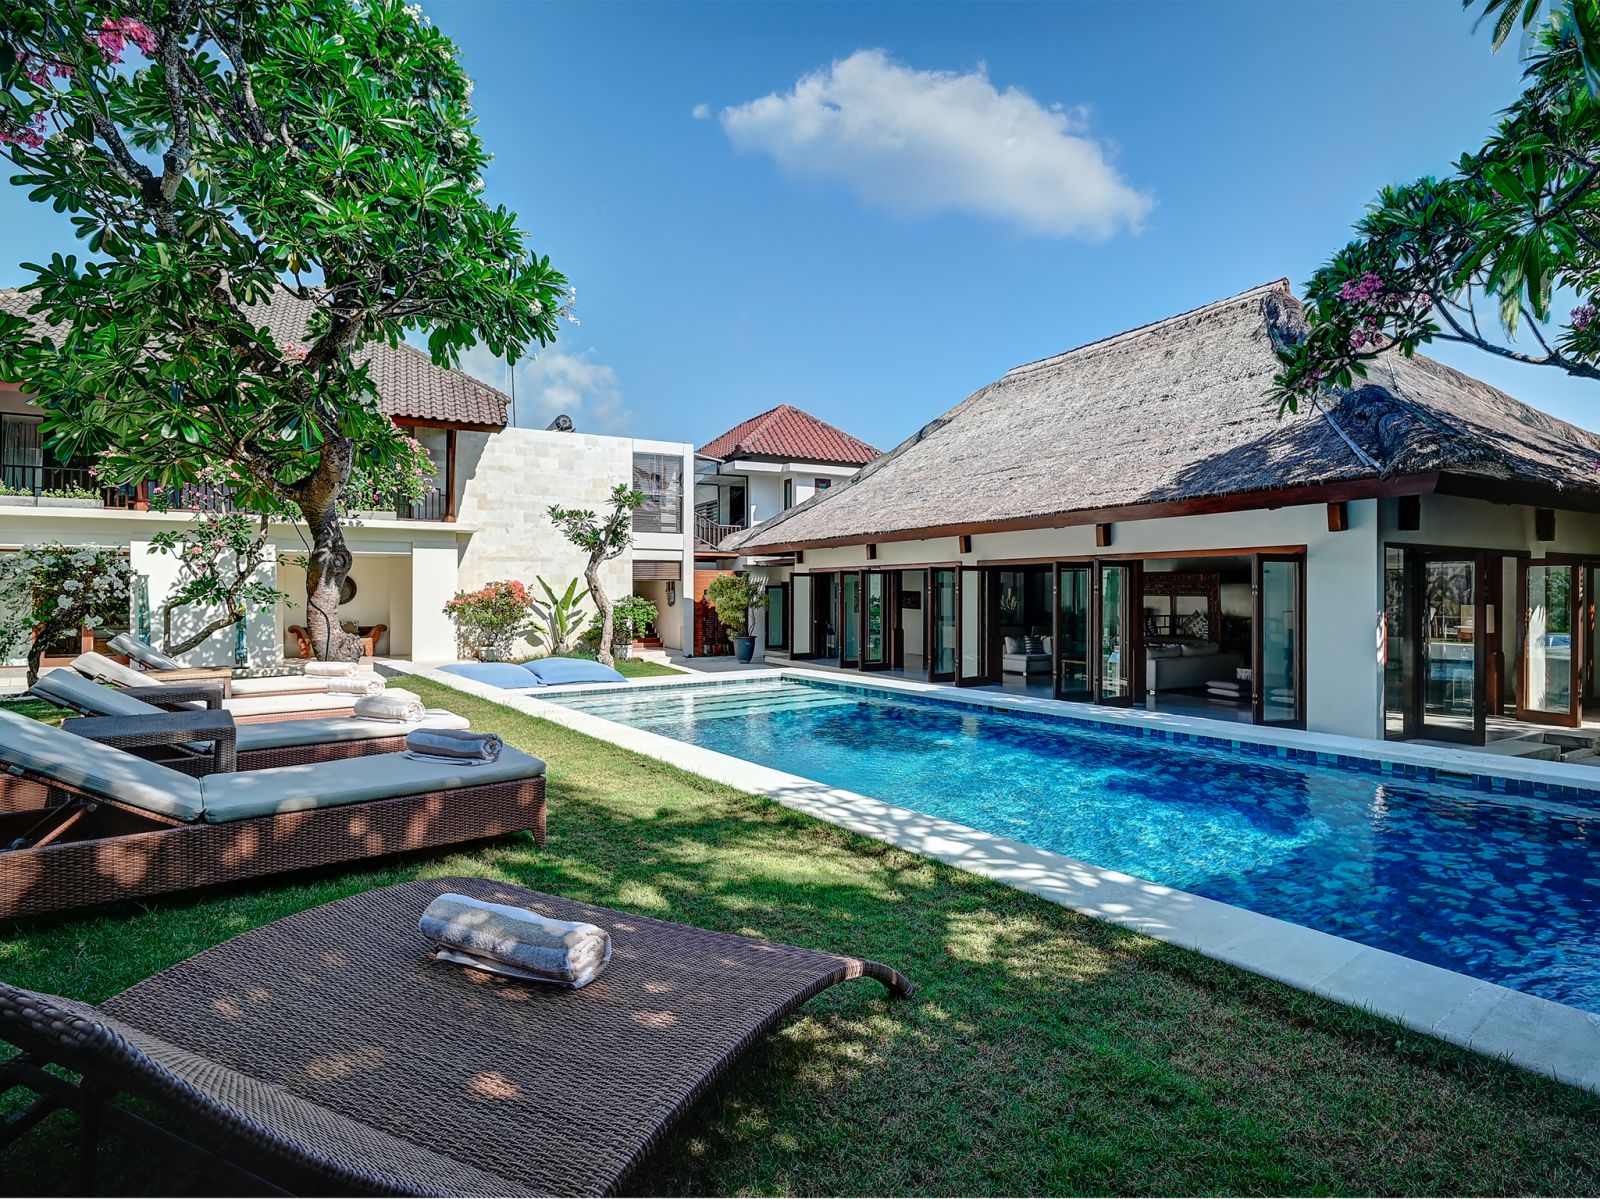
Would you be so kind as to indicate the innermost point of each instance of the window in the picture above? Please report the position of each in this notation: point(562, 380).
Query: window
point(821, 484)
point(788, 494)
point(660, 478)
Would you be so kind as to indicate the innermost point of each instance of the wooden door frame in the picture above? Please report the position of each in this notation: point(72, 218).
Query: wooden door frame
point(1573, 717)
point(1258, 631)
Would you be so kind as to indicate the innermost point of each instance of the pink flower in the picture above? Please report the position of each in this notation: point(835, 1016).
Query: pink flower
point(114, 35)
point(1368, 287)
point(1582, 317)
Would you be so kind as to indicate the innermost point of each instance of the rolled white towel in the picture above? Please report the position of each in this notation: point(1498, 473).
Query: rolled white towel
point(330, 670)
point(367, 683)
point(394, 704)
point(514, 941)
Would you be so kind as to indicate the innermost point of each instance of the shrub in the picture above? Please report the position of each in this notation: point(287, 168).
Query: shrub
point(491, 617)
point(630, 616)
point(734, 597)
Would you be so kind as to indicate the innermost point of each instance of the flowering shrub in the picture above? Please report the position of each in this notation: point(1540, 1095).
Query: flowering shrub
point(490, 617)
point(51, 590)
point(386, 488)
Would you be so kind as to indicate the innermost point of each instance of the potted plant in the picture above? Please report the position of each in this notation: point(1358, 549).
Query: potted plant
point(630, 616)
point(489, 619)
point(735, 596)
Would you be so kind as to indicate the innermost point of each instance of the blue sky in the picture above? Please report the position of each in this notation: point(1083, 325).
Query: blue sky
point(860, 245)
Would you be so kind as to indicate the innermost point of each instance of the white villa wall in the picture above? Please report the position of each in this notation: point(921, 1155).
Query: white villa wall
point(1343, 585)
point(764, 487)
point(508, 482)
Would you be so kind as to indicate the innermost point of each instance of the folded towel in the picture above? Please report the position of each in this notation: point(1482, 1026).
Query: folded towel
point(460, 745)
point(395, 704)
point(330, 670)
point(357, 684)
point(1223, 687)
point(514, 941)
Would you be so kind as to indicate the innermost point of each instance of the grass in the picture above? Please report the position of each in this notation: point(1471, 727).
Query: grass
point(1045, 1053)
point(38, 709)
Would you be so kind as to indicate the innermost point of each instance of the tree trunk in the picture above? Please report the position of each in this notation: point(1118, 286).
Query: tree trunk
point(602, 601)
point(330, 560)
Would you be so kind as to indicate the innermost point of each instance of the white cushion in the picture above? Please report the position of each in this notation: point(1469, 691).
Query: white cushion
point(146, 655)
point(97, 666)
point(95, 768)
point(1013, 645)
point(277, 734)
point(251, 793)
point(71, 690)
point(278, 684)
point(277, 705)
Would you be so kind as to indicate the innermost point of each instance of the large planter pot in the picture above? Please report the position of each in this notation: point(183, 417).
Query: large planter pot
point(622, 652)
point(744, 648)
point(489, 653)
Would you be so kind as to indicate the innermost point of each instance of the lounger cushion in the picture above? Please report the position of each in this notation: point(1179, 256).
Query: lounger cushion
point(70, 689)
point(145, 654)
point(555, 671)
point(97, 666)
point(496, 674)
point(277, 684)
point(228, 797)
point(309, 703)
point(99, 769)
point(276, 734)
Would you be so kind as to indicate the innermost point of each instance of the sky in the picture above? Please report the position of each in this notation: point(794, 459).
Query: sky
point(870, 210)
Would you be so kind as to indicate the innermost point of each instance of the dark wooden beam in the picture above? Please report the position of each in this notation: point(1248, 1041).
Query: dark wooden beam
point(1338, 516)
point(1102, 534)
point(1544, 524)
point(965, 543)
point(799, 557)
point(450, 475)
point(872, 552)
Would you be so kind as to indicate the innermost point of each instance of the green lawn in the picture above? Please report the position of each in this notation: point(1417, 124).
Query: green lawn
point(1044, 1053)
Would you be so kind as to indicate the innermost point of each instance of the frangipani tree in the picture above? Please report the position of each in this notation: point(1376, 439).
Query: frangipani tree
point(50, 591)
point(216, 155)
point(602, 539)
point(1481, 255)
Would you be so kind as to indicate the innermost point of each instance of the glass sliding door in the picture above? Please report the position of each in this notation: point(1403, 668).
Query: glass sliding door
point(1115, 656)
point(910, 636)
point(778, 616)
point(1552, 643)
point(825, 617)
point(974, 627)
point(1279, 644)
point(850, 620)
point(1074, 619)
point(1400, 707)
point(942, 619)
point(1451, 601)
point(875, 618)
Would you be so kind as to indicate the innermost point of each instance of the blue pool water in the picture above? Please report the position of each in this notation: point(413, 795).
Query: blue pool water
point(1495, 887)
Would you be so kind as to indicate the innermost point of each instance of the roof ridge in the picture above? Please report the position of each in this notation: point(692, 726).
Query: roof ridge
point(1281, 284)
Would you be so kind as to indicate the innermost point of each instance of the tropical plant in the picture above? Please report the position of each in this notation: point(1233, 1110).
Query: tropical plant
point(491, 617)
point(1480, 255)
point(735, 596)
point(220, 558)
point(216, 158)
point(631, 615)
point(559, 616)
point(602, 540)
point(52, 591)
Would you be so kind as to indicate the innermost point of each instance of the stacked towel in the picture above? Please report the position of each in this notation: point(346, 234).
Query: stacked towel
point(394, 704)
point(514, 941)
point(460, 746)
point(366, 683)
point(329, 670)
point(1227, 689)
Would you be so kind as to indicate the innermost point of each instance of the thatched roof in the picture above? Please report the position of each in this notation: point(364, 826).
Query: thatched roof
point(410, 386)
point(1177, 413)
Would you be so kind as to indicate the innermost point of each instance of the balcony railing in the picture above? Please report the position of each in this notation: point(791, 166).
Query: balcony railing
point(710, 532)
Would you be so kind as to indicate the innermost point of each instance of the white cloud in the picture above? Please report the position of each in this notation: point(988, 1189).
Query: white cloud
point(924, 141)
point(558, 381)
point(701, 112)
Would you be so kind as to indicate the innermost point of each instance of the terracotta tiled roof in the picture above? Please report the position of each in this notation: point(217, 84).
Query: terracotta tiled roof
point(789, 433)
point(410, 386)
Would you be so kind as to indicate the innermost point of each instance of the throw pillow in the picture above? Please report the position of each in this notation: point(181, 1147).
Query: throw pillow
point(1014, 645)
point(1033, 645)
point(1194, 625)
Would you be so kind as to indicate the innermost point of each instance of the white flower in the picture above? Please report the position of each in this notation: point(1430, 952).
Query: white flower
point(63, 601)
point(414, 11)
point(458, 137)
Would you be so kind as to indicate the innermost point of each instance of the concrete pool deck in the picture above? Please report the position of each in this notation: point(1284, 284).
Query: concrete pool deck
point(1536, 1034)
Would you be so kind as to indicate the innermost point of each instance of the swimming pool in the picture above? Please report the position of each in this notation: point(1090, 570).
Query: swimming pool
point(1484, 884)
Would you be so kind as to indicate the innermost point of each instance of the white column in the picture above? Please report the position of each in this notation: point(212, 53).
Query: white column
point(685, 608)
point(433, 583)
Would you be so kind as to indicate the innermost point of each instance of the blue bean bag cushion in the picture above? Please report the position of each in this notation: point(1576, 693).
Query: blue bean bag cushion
point(496, 674)
point(551, 671)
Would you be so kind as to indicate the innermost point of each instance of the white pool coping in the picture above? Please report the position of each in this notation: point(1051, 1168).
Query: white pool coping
point(1536, 1034)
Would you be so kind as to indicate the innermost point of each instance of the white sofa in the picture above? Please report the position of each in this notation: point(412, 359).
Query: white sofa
point(1170, 667)
point(1017, 660)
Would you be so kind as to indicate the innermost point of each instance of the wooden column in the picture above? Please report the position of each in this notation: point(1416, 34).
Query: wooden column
point(450, 475)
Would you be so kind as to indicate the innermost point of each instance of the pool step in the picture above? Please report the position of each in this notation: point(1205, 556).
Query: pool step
point(649, 713)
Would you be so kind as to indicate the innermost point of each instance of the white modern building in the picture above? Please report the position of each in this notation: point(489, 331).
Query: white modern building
point(483, 519)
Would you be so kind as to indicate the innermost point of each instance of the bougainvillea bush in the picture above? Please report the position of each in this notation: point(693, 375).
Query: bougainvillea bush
point(490, 618)
point(52, 590)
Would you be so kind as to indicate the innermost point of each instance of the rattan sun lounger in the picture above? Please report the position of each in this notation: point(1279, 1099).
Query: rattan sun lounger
point(258, 746)
point(83, 823)
point(213, 691)
point(327, 1053)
